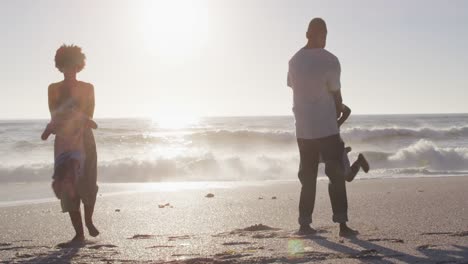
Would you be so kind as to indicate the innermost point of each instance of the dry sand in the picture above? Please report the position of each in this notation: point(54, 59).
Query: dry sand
point(423, 220)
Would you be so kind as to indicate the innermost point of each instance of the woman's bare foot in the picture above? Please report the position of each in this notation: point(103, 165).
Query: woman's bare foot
point(78, 238)
point(77, 241)
point(92, 230)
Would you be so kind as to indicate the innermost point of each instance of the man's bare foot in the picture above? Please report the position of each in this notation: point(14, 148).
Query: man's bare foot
point(345, 231)
point(92, 230)
point(306, 230)
point(363, 162)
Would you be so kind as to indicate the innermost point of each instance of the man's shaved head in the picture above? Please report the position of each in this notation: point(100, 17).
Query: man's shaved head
point(317, 32)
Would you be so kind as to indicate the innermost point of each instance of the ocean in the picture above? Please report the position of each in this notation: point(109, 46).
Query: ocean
point(219, 149)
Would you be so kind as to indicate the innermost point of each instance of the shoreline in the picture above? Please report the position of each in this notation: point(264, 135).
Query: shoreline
point(201, 184)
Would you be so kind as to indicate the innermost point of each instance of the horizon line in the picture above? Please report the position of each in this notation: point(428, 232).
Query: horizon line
point(238, 116)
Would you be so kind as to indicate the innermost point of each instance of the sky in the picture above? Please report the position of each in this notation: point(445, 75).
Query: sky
point(230, 57)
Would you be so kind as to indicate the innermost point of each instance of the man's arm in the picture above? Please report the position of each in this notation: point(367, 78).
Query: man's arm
point(338, 102)
point(334, 86)
point(345, 113)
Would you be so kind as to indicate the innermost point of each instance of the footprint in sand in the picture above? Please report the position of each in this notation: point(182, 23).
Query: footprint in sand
point(236, 243)
point(161, 246)
point(368, 253)
point(269, 235)
point(184, 237)
point(425, 247)
point(231, 255)
point(393, 240)
point(461, 234)
point(141, 237)
point(454, 234)
point(18, 255)
point(102, 246)
point(195, 260)
point(254, 248)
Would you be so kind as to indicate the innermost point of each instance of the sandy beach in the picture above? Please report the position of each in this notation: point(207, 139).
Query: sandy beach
point(420, 220)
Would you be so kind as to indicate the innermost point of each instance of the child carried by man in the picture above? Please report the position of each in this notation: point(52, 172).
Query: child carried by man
point(350, 171)
point(68, 125)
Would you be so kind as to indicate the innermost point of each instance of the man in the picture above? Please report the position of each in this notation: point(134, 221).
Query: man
point(314, 76)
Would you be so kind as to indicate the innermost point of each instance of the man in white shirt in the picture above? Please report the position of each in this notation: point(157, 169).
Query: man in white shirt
point(314, 76)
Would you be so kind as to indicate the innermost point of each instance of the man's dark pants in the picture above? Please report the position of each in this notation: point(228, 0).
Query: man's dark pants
point(331, 149)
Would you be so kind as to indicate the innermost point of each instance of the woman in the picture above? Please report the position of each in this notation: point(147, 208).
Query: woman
point(70, 60)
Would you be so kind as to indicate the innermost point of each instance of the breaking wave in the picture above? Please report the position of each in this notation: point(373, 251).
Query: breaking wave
point(423, 157)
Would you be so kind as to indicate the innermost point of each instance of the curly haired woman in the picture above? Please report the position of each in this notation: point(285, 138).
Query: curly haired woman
point(70, 60)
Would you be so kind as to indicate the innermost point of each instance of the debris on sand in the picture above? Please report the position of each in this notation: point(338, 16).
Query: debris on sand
point(273, 198)
point(117, 210)
point(210, 195)
point(258, 227)
point(165, 205)
point(260, 198)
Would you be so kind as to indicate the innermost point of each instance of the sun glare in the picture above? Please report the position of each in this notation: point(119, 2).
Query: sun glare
point(175, 30)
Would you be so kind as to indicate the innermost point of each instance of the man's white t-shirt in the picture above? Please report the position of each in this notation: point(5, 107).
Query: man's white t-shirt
point(313, 75)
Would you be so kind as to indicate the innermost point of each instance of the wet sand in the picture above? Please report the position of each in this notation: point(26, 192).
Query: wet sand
point(421, 220)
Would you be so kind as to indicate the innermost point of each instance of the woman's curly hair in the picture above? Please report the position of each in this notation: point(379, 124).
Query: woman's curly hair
point(69, 56)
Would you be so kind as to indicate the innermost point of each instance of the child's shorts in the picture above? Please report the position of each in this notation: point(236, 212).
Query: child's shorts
point(68, 170)
point(344, 160)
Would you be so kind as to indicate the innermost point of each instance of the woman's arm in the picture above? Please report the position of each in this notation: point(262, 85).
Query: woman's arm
point(89, 111)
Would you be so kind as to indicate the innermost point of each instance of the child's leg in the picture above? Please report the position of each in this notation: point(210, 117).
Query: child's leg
point(353, 171)
point(361, 162)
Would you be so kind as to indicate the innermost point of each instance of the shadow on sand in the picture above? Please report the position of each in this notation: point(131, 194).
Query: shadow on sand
point(64, 254)
point(374, 253)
